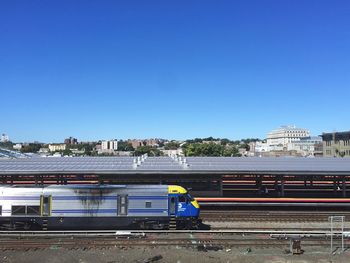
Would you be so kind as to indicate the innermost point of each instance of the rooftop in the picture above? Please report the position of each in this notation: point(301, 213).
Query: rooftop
point(336, 136)
point(175, 165)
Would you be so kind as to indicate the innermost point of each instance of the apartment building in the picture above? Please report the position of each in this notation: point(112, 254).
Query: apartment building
point(336, 144)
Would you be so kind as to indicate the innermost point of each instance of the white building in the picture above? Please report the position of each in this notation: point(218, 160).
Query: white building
point(108, 147)
point(4, 138)
point(177, 152)
point(17, 146)
point(261, 147)
point(279, 138)
point(57, 147)
point(306, 146)
point(77, 151)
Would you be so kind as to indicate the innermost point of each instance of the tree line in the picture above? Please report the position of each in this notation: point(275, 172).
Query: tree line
point(209, 146)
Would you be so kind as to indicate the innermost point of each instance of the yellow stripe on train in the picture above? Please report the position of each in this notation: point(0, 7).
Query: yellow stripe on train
point(175, 189)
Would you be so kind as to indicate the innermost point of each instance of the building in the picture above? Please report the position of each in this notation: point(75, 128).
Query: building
point(44, 150)
point(279, 138)
point(77, 151)
point(259, 147)
point(110, 147)
point(97, 148)
point(262, 149)
point(4, 138)
point(136, 143)
point(287, 141)
point(17, 146)
point(70, 140)
point(308, 146)
point(123, 153)
point(336, 144)
point(57, 147)
point(177, 152)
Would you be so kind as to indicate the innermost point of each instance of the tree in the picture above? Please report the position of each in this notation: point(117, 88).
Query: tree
point(209, 149)
point(125, 146)
point(231, 151)
point(66, 152)
point(6, 145)
point(151, 151)
point(31, 148)
point(196, 140)
point(225, 141)
point(89, 149)
point(173, 145)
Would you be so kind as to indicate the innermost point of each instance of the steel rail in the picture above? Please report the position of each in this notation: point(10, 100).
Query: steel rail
point(313, 204)
point(272, 212)
point(268, 216)
point(186, 243)
point(144, 232)
point(25, 240)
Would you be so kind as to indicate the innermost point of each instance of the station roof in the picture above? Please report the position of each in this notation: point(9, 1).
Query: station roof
point(175, 165)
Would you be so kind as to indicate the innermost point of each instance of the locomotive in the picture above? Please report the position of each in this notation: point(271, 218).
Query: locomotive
point(81, 207)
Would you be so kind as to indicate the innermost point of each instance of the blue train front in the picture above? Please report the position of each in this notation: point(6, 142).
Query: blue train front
point(183, 208)
point(97, 207)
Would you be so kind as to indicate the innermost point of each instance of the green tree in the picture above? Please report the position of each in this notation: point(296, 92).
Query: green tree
point(173, 145)
point(89, 149)
point(7, 145)
point(66, 152)
point(225, 141)
point(231, 151)
point(125, 146)
point(31, 148)
point(151, 151)
point(209, 149)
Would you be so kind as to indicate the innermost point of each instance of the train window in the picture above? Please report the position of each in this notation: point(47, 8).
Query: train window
point(148, 204)
point(0, 210)
point(46, 205)
point(182, 198)
point(33, 210)
point(18, 210)
point(189, 197)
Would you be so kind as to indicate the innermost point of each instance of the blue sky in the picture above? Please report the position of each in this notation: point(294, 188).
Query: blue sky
point(172, 69)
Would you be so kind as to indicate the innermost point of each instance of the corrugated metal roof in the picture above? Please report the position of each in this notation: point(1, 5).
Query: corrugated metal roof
point(166, 165)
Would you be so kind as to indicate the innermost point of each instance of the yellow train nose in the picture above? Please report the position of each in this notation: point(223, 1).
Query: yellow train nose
point(195, 204)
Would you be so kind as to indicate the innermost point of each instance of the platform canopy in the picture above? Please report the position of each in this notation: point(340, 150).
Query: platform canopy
point(174, 165)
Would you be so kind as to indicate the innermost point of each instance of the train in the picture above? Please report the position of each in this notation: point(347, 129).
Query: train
point(96, 207)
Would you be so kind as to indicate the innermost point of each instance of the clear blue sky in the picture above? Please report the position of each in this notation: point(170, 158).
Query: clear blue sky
point(172, 69)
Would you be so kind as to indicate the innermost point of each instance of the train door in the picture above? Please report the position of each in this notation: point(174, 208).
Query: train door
point(123, 205)
point(46, 205)
point(172, 205)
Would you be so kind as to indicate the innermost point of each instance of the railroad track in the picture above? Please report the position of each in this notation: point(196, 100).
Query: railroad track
point(280, 216)
point(33, 240)
point(102, 244)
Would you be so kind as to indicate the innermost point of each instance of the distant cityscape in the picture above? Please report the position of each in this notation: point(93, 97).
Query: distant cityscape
point(283, 141)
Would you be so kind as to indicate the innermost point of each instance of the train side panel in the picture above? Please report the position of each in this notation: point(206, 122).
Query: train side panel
point(74, 203)
point(148, 202)
point(20, 202)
